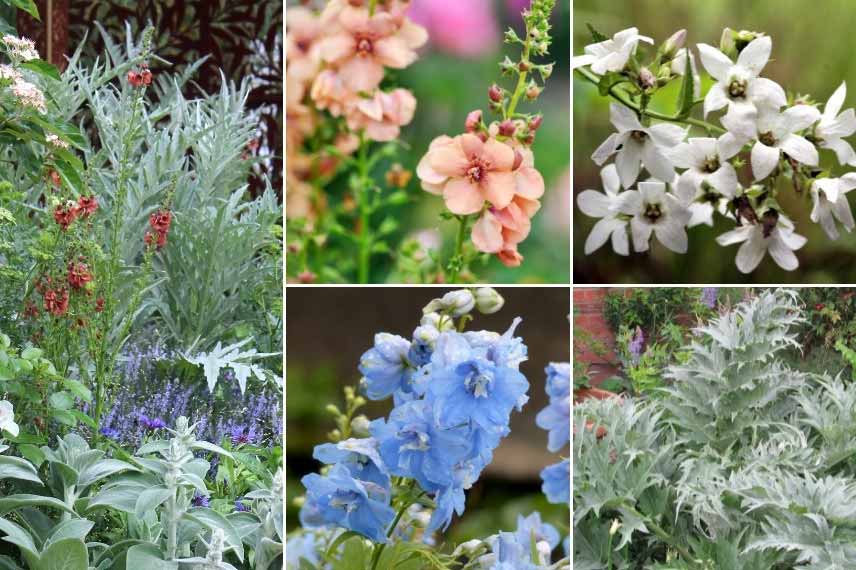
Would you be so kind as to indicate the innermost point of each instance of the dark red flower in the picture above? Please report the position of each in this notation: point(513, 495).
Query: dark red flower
point(65, 215)
point(159, 239)
point(819, 307)
point(99, 304)
point(146, 76)
point(78, 275)
point(87, 205)
point(160, 221)
point(135, 78)
point(56, 301)
point(31, 311)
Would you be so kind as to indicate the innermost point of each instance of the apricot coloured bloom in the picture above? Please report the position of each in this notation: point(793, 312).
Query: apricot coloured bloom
point(467, 171)
point(383, 114)
point(363, 45)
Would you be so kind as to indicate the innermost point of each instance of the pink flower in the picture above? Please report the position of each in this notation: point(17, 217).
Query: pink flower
point(362, 45)
point(467, 29)
point(383, 114)
point(301, 43)
point(468, 172)
point(329, 92)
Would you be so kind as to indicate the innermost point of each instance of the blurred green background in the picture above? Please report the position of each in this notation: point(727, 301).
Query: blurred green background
point(328, 329)
point(450, 79)
point(811, 55)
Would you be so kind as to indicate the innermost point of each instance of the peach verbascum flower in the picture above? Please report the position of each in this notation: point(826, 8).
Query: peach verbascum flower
point(470, 172)
point(383, 114)
point(361, 46)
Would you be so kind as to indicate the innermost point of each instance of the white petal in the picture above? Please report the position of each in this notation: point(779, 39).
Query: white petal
point(627, 162)
point(673, 235)
point(764, 91)
point(652, 191)
point(737, 235)
point(593, 204)
point(843, 125)
point(620, 241)
point(606, 148)
point(724, 180)
point(842, 211)
point(764, 160)
point(609, 178)
point(641, 234)
point(715, 62)
point(728, 145)
point(715, 99)
point(740, 120)
point(843, 151)
point(624, 119)
point(581, 60)
point(756, 55)
point(667, 134)
point(600, 234)
point(701, 214)
point(831, 188)
point(656, 162)
point(630, 202)
point(836, 101)
point(751, 252)
point(782, 254)
point(688, 185)
point(799, 117)
point(685, 155)
point(799, 149)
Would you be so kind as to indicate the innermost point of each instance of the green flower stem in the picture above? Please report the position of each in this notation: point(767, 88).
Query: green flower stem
point(660, 533)
point(520, 88)
point(364, 239)
point(457, 260)
point(624, 98)
point(378, 548)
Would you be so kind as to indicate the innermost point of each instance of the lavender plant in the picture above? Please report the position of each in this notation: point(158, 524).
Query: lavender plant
point(743, 462)
point(694, 180)
point(390, 482)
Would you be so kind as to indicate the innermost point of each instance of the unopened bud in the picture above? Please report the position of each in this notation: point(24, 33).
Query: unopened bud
point(468, 548)
point(535, 122)
point(646, 79)
point(332, 409)
point(674, 43)
point(306, 277)
point(726, 43)
point(455, 303)
point(518, 159)
point(614, 527)
point(495, 93)
point(524, 66)
point(474, 121)
point(507, 128)
point(533, 91)
point(360, 426)
point(488, 301)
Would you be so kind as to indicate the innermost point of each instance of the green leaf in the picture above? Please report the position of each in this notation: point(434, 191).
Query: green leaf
point(120, 497)
point(15, 502)
point(608, 81)
point(67, 554)
point(42, 68)
point(341, 539)
point(31, 353)
point(78, 389)
point(150, 499)
point(27, 6)
point(102, 469)
point(387, 226)
point(148, 556)
point(595, 35)
point(212, 519)
point(19, 537)
point(212, 448)
point(61, 400)
point(72, 528)
point(685, 96)
point(7, 563)
point(17, 468)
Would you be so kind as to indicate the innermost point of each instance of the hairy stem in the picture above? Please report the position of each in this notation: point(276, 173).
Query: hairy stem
point(365, 237)
point(456, 261)
point(624, 98)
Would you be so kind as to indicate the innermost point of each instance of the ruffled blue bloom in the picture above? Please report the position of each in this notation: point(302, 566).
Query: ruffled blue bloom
point(412, 445)
point(532, 530)
point(422, 345)
point(448, 500)
point(472, 388)
point(511, 554)
point(557, 482)
point(360, 456)
point(558, 379)
point(386, 367)
point(302, 547)
point(556, 419)
point(341, 500)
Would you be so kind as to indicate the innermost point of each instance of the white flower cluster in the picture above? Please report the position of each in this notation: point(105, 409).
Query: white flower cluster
point(56, 142)
point(20, 49)
point(692, 179)
point(26, 93)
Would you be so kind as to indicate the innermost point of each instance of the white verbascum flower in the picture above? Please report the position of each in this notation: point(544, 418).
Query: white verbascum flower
point(778, 238)
point(637, 144)
point(7, 418)
point(738, 85)
point(829, 198)
point(605, 206)
point(833, 127)
point(612, 54)
point(656, 211)
point(776, 132)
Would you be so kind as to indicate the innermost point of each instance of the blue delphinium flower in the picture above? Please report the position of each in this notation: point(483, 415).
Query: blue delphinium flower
point(558, 379)
point(557, 482)
point(473, 388)
point(385, 366)
point(510, 554)
point(302, 547)
point(360, 456)
point(556, 417)
point(412, 445)
point(637, 345)
point(339, 499)
point(532, 530)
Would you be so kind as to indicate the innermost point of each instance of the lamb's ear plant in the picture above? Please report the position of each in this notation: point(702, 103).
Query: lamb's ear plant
point(760, 475)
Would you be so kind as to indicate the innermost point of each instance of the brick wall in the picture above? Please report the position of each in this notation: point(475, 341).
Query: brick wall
point(588, 316)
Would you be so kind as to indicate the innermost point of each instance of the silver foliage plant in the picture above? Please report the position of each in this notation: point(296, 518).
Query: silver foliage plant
point(58, 498)
point(194, 147)
point(740, 463)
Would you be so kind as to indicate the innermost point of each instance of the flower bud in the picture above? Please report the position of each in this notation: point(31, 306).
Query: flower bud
point(468, 548)
point(360, 426)
point(333, 410)
point(647, 80)
point(614, 528)
point(518, 156)
point(306, 277)
point(535, 122)
point(507, 128)
point(726, 43)
point(455, 303)
point(488, 301)
point(495, 93)
point(473, 122)
point(544, 550)
point(437, 321)
point(674, 43)
point(533, 91)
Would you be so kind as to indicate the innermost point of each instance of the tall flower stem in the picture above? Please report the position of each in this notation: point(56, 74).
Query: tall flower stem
point(456, 262)
point(378, 549)
point(364, 239)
